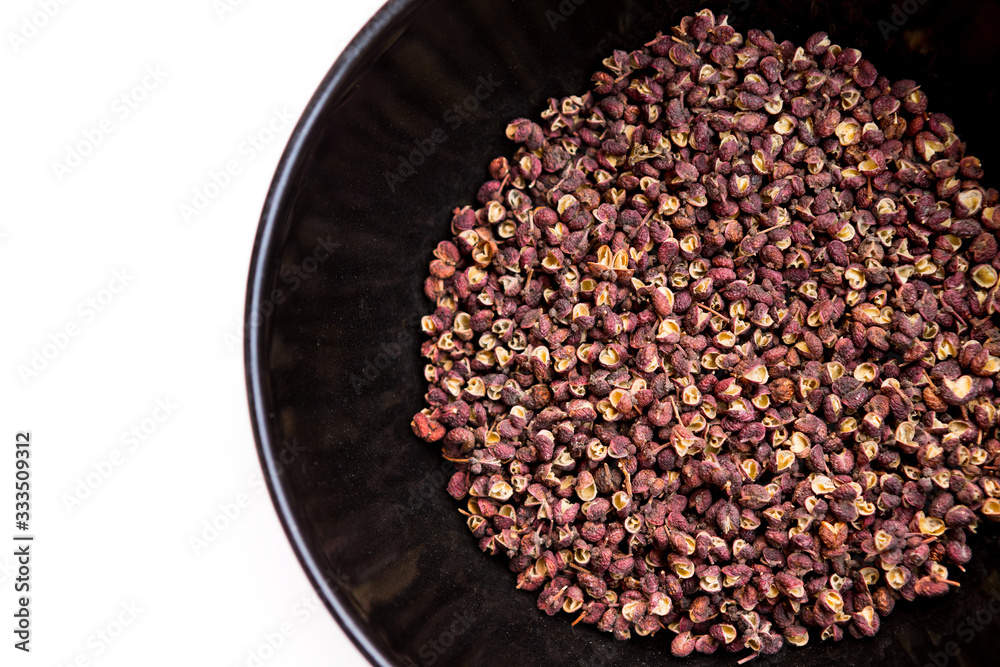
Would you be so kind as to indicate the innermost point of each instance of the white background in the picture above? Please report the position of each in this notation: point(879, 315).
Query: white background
point(122, 313)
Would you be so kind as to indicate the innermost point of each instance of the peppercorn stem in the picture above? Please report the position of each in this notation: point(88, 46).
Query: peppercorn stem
point(747, 659)
point(713, 311)
point(930, 381)
point(628, 478)
point(951, 310)
point(771, 229)
point(657, 450)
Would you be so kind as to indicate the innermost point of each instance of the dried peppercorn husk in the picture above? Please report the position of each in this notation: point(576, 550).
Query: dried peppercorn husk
point(715, 352)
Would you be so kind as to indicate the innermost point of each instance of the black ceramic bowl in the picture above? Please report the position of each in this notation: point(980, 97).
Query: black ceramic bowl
point(401, 132)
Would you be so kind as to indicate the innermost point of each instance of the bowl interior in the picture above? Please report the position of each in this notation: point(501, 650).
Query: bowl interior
point(399, 134)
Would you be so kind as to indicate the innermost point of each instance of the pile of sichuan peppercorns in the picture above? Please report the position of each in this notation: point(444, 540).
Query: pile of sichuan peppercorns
point(716, 352)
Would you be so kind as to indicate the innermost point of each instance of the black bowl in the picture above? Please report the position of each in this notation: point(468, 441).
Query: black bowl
point(399, 133)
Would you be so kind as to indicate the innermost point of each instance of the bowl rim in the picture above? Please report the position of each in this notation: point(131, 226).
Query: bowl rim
point(367, 44)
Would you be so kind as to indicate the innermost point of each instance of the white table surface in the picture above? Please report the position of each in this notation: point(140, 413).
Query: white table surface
point(121, 316)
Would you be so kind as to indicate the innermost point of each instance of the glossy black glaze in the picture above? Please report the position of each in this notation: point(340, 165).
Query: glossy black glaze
point(333, 363)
